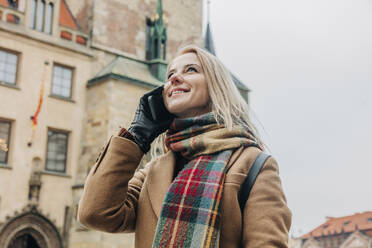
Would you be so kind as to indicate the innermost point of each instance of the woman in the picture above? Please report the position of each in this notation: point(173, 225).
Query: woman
point(188, 197)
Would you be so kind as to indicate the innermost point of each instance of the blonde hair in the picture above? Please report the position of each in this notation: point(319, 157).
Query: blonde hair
point(226, 103)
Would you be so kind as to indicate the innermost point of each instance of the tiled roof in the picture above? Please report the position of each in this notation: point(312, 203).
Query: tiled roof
point(127, 69)
point(238, 83)
point(66, 18)
point(346, 224)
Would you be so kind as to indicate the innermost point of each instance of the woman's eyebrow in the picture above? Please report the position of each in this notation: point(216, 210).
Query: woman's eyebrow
point(191, 64)
point(187, 65)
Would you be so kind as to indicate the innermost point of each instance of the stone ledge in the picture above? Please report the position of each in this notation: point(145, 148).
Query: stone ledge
point(13, 86)
point(5, 166)
point(77, 186)
point(62, 98)
point(52, 173)
point(45, 38)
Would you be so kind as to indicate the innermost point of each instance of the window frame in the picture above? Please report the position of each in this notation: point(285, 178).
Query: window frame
point(3, 120)
point(72, 83)
point(32, 15)
point(37, 16)
point(51, 18)
point(149, 48)
point(18, 54)
point(67, 133)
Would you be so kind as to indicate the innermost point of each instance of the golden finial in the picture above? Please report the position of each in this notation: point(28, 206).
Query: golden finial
point(3, 145)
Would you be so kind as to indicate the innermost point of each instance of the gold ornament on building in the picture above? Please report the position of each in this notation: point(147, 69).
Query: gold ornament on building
point(3, 145)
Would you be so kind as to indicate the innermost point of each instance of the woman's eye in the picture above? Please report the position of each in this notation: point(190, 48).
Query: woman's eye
point(169, 75)
point(191, 69)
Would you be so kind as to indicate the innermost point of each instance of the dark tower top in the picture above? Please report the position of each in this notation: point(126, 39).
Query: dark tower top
point(209, 46)
point(156, 35)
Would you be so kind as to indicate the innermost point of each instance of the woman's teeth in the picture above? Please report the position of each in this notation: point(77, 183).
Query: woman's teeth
point(177, 92)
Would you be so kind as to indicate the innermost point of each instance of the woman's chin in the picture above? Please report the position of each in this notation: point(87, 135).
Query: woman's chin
point(177, 110)
point(189, 114)
point(181, 112)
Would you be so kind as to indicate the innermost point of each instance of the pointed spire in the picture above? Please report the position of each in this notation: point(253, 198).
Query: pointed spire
point(157, 49)
point(157, 35)
point(208, 39)
point(159, 24)
point(160, 12)
point(209, 46)
point(208, 10)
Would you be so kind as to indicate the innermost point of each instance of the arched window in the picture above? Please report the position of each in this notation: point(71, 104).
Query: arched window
point(49, 19)
point(13, 4)
point(163, 48)
point(156, 51)
point(149, 28)
point(33, 14)
point(24, 240)
point(40, 15)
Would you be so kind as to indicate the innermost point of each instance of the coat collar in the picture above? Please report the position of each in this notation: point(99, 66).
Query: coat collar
point(160, 177)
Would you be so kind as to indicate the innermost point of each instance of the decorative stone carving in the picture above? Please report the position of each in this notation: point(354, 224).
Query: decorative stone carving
point(356, 240)
point(311, 243)
point(30, 226)
point(35, 181)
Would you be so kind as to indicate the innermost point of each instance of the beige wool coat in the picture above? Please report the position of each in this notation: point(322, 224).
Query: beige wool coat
point(117, 198)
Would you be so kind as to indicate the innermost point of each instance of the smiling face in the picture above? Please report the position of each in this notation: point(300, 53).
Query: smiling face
point(185, 92)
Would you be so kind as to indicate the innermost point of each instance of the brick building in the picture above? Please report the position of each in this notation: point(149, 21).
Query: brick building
point(71, 73)
point(354, 231)
point(78, 69)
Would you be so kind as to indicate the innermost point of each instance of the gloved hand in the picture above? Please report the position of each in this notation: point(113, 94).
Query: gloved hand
point(151, 119)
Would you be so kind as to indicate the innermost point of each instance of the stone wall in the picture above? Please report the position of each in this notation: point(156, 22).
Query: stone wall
point(19, 104)
point(121, 25)
point(110, 104)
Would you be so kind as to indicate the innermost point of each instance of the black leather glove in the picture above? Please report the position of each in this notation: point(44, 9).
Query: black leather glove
point(151, 119)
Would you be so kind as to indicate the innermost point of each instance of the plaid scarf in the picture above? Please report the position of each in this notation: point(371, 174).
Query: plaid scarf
point(190, 215)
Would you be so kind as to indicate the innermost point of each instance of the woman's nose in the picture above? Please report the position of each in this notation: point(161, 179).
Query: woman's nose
point(175, 79)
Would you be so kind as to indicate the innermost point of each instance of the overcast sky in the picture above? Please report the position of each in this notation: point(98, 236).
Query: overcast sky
point(309, 66)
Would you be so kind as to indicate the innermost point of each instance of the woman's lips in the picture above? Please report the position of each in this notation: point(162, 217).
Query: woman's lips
point(178, 91)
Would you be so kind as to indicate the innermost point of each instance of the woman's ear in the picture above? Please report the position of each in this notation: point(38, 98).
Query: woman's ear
point(209, 104)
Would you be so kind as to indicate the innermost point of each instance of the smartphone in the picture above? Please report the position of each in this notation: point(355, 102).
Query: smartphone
point(158, 109)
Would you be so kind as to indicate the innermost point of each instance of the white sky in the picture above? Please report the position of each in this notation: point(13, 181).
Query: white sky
point(309, 66)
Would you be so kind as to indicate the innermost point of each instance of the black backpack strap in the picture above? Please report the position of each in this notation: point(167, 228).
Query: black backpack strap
point(247, 185)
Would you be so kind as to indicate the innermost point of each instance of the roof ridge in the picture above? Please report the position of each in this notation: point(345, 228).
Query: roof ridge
point(348, 223)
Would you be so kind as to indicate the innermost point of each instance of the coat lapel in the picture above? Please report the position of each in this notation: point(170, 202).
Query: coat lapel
point(160, 177)
point(234, 157)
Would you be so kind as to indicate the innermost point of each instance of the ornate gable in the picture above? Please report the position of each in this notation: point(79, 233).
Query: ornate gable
point(356, 240)
point(311, 243)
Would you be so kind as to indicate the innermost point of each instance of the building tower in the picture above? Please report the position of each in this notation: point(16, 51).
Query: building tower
point(209, 46)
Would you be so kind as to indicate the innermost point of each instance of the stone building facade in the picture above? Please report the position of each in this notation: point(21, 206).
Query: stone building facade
point(71, 73)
